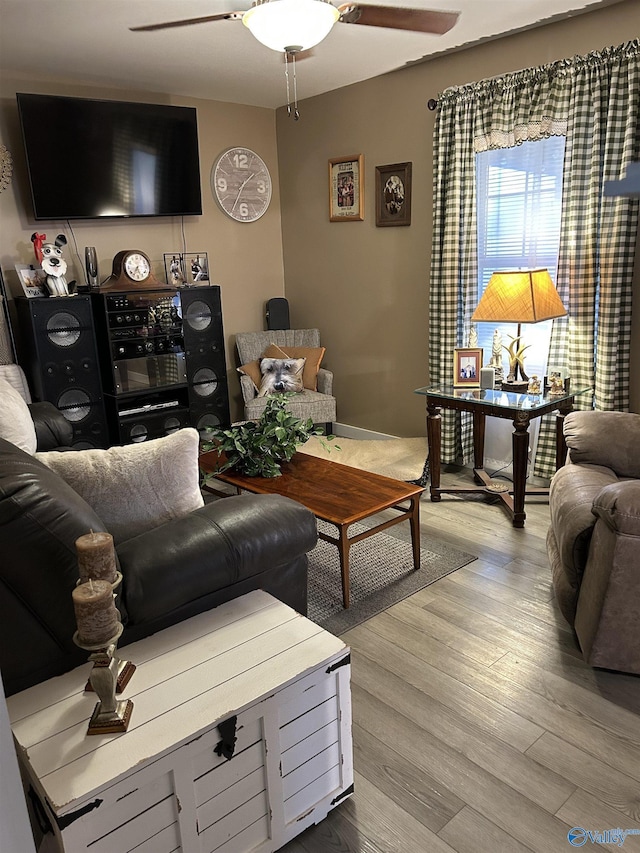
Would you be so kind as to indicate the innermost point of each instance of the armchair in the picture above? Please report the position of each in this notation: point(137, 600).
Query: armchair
point(593, 541)
point(319, 405)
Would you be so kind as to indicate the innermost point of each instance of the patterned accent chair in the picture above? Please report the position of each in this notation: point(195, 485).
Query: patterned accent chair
point(319, 405)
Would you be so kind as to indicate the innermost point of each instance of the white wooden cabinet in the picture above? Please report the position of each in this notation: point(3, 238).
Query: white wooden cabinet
point(165, 784)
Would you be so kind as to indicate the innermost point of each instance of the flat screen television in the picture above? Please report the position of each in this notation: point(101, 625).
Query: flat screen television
point(92, 158)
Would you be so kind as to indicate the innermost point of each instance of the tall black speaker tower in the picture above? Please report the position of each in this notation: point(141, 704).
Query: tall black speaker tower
point(205, 358)
point(62, 362)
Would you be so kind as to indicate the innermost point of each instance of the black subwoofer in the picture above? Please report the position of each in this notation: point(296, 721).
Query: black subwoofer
point(61, 362)
point(203, 336)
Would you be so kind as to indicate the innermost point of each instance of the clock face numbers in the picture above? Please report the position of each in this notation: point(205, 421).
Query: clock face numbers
point(241, 184)
point(136, 266)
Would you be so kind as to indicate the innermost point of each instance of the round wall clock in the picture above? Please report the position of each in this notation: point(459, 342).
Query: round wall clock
point(131, 268)
point(241, 184)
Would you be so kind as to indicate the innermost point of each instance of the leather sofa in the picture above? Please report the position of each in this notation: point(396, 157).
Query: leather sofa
point(593, 541)
point(170, 573)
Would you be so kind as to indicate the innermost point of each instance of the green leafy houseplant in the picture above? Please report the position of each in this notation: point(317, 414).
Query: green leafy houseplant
point(258, 448)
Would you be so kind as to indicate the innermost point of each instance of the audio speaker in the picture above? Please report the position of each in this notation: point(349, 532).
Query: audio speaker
point(62, 362)
point(205, 361)
point(278, 313)
point(154, 424)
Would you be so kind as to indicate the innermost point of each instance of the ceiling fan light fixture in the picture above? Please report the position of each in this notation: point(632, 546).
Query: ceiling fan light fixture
point(290, 25)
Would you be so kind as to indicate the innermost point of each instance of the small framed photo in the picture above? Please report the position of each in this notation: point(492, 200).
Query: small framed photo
point(196, 268)
point(467, 362)
point(174, 269)
point(393, 194)
point(32, 280)
point(346, 189)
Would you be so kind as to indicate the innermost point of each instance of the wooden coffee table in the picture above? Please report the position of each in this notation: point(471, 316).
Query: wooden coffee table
point(336, 493)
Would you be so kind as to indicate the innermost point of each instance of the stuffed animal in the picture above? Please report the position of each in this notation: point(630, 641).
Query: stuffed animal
point(49, 256)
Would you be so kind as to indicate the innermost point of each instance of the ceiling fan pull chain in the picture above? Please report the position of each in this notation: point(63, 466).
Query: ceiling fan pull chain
point(291, 112)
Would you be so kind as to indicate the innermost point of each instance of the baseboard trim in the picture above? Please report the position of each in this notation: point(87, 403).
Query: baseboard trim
point(348, 431)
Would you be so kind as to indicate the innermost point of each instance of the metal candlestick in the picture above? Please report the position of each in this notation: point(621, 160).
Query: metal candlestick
point(124, 668)
point(110, 714)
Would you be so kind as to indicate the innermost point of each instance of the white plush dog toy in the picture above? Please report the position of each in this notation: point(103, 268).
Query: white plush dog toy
point(49, 256)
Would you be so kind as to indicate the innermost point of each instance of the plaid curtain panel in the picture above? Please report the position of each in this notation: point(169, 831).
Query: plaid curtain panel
point(594, 100)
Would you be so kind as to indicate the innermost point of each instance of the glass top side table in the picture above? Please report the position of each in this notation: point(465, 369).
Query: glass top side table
point(521, 409)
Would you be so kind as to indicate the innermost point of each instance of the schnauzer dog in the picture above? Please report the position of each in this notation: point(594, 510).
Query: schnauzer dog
point(280, 375)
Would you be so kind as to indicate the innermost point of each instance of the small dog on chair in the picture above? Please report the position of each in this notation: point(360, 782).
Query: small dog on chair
point(280, 375)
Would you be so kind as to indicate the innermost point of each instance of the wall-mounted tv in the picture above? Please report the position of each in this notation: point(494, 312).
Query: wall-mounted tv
point(92, 158)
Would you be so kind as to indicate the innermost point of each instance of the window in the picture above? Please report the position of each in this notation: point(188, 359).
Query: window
point(519, 204)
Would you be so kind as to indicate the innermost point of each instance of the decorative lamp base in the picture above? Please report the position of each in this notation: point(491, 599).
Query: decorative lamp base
point(516, 387)
point(110, 722)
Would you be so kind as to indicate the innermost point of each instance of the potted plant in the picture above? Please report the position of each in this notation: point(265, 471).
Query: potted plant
point(258, 448)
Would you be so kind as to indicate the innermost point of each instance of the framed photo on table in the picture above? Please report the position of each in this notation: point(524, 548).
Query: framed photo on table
point(393, 194)
point(346, 189)
point(196, 268)
point(32, 280)
point(467, 362)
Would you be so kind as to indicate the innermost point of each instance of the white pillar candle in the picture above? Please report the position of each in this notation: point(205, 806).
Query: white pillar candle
point(96, 614)
point(96, 557)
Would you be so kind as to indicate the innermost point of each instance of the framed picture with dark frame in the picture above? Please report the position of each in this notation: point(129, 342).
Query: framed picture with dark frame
point(467, 362)
point(174, 268)
point(393, 194)
point(346, 189)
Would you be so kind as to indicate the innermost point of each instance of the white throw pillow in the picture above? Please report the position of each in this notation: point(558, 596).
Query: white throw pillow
point(16, 423)
point(137, 487)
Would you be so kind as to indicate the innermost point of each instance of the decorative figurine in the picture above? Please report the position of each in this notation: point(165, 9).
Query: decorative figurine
point(473, 336)
point(534, 385)
point(496, 356)
point(49, 256)
point(556, 385)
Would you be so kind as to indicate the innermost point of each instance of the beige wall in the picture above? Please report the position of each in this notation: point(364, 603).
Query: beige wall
point(245, 259)
point(367, 288)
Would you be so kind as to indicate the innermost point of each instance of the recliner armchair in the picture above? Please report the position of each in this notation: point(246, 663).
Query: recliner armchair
point(319, 405)
point(593, 541)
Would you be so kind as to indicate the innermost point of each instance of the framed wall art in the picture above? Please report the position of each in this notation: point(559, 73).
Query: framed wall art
point(393, 194)
point(467, 362)
point(346, 189)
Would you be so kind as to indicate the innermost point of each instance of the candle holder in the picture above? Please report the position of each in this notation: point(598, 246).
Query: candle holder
point(110, 715)
point(124, 668)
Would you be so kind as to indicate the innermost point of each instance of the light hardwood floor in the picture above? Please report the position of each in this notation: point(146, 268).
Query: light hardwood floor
point(477, 726)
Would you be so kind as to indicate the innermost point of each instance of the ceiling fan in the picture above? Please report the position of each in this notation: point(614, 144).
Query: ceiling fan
point(292, 26)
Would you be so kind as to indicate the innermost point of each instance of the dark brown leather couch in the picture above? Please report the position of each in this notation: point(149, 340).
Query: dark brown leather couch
point(184, 567)
point(594, 538)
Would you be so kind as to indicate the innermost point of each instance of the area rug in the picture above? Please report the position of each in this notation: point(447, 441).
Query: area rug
point(381, 572)
point(400, 458)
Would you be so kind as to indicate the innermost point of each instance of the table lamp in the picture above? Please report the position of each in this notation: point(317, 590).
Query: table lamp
point(518, 296)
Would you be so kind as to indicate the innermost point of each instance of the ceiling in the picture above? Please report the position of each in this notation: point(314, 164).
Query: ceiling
point(89, 42)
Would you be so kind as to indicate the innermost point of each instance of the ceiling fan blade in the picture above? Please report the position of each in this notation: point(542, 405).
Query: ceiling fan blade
point(393, 17)
point(224, 16)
